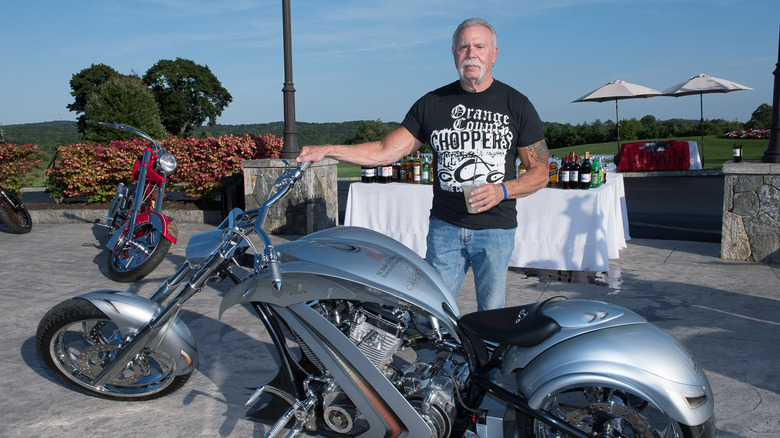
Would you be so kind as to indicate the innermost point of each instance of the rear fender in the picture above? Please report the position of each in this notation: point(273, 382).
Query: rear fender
point(130, 312)
point(638, 358)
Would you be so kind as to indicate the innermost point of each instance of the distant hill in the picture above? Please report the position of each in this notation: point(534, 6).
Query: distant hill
point(48, 135)
point(308, 133)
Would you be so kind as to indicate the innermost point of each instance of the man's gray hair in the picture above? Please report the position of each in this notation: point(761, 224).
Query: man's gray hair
point(475, 21)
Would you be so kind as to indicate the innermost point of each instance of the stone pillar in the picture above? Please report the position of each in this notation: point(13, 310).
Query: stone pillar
point(311, 206)
point(751, 212)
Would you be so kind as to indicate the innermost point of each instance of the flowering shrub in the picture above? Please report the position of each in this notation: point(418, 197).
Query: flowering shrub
point(16, 162)
point(93, 170)
point(748, 133)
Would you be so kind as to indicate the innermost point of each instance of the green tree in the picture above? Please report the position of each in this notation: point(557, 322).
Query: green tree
point(761, 117)
point(82, 84)
point(188, 94)
point(125, 100)
point(629, 130)
point(650, 128)
point(370, 131)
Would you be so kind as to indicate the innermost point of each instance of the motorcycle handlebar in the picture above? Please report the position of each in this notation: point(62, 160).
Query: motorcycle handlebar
point(286, 181)
point(136, 132)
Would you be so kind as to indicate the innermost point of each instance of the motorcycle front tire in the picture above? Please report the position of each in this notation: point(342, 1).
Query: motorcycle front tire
point(76, 340)
point(18, 220)
point(140, 264)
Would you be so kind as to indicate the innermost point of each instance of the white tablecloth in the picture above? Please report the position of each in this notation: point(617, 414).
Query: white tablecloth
point(570, 230)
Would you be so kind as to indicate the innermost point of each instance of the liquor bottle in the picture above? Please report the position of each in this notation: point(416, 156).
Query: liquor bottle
point(574, 172)
point(396, 170)
point(417, 170)
point(426, 172)
point(403, 171)
point(563, 178)
point(585, 171)
point(520, 168)
point(553, 180)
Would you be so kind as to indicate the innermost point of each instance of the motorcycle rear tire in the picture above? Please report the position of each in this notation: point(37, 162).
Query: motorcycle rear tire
point(17, 219)
point(146, 231)
point(589, 406)
point(75, 338)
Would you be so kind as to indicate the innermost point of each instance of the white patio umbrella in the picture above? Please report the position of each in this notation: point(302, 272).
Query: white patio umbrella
point(617, 90)
point(701, 84)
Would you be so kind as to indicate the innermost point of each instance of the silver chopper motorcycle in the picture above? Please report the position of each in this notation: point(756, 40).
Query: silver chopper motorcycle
point(371, 344)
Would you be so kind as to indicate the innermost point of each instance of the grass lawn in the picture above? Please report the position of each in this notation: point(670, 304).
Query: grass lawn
point(717, 150)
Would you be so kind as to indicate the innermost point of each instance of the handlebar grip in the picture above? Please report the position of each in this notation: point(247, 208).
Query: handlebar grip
point(275, 274)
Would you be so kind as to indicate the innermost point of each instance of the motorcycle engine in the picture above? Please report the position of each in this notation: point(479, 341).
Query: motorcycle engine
point(429, 381)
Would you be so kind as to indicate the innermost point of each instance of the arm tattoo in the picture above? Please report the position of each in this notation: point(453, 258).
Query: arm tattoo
point(538, 151)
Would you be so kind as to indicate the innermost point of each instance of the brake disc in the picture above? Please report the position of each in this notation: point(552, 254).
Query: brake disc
point(616, 413)
point(93, 359)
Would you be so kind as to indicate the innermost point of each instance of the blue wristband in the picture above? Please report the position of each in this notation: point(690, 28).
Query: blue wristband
point(503, 187)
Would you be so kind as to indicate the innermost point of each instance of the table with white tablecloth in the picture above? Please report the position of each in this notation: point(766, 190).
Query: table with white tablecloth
point(570, 230)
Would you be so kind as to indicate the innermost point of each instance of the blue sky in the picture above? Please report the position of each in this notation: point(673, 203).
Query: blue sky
point(366, 60)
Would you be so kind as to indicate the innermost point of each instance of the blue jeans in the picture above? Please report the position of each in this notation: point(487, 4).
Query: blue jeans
point(452, 249)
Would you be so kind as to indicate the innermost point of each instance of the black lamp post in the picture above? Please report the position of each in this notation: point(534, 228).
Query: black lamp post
point(290, 148)
point(772, 153)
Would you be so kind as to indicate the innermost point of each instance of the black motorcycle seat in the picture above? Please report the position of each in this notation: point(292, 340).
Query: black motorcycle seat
point(523, 326)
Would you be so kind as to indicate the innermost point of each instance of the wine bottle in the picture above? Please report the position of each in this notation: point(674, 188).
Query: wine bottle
point(426, 172)
point(585, 171)
point(737, 153)
point(368, 174)
point(574, 173)
point(564, 176)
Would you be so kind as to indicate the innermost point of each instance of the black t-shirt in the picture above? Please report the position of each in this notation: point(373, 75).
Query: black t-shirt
point(473, 135)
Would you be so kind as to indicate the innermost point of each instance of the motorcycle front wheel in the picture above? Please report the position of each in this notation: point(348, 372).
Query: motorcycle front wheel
point(14, 214)
point(603, 411)
point(76, 340)
point(128, 262)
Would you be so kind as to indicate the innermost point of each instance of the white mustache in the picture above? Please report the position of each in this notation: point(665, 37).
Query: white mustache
point(470, 62)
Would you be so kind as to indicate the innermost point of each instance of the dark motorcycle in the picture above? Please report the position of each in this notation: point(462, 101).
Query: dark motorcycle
point(371, 343)
point(13, 213)
point(141, 233)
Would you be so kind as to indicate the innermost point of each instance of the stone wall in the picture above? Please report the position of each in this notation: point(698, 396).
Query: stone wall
point(751, 212)
point(311, 206)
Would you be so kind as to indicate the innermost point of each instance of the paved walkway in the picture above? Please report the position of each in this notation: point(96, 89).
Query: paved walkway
point(727, 313)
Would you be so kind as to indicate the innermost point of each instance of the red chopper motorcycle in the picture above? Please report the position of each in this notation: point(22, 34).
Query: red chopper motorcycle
point(141, 233)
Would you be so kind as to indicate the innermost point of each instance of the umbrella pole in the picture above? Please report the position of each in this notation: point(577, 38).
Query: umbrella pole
point(617, 125)
point(701, 124)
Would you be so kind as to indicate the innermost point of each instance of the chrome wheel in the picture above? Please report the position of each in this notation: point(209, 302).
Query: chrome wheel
point(606, 412)
point(77, 341)
point(135, 259)
point(83, 348)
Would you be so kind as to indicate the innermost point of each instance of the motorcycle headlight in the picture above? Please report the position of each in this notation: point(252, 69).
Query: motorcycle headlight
point(167, 162)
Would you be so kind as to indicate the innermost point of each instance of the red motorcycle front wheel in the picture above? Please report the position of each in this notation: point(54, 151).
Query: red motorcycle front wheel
point(136, 259)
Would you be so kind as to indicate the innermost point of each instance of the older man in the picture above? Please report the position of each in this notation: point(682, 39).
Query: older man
point(477, 127)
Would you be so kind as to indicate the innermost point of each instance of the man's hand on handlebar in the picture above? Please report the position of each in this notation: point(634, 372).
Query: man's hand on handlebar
point(311, 153)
